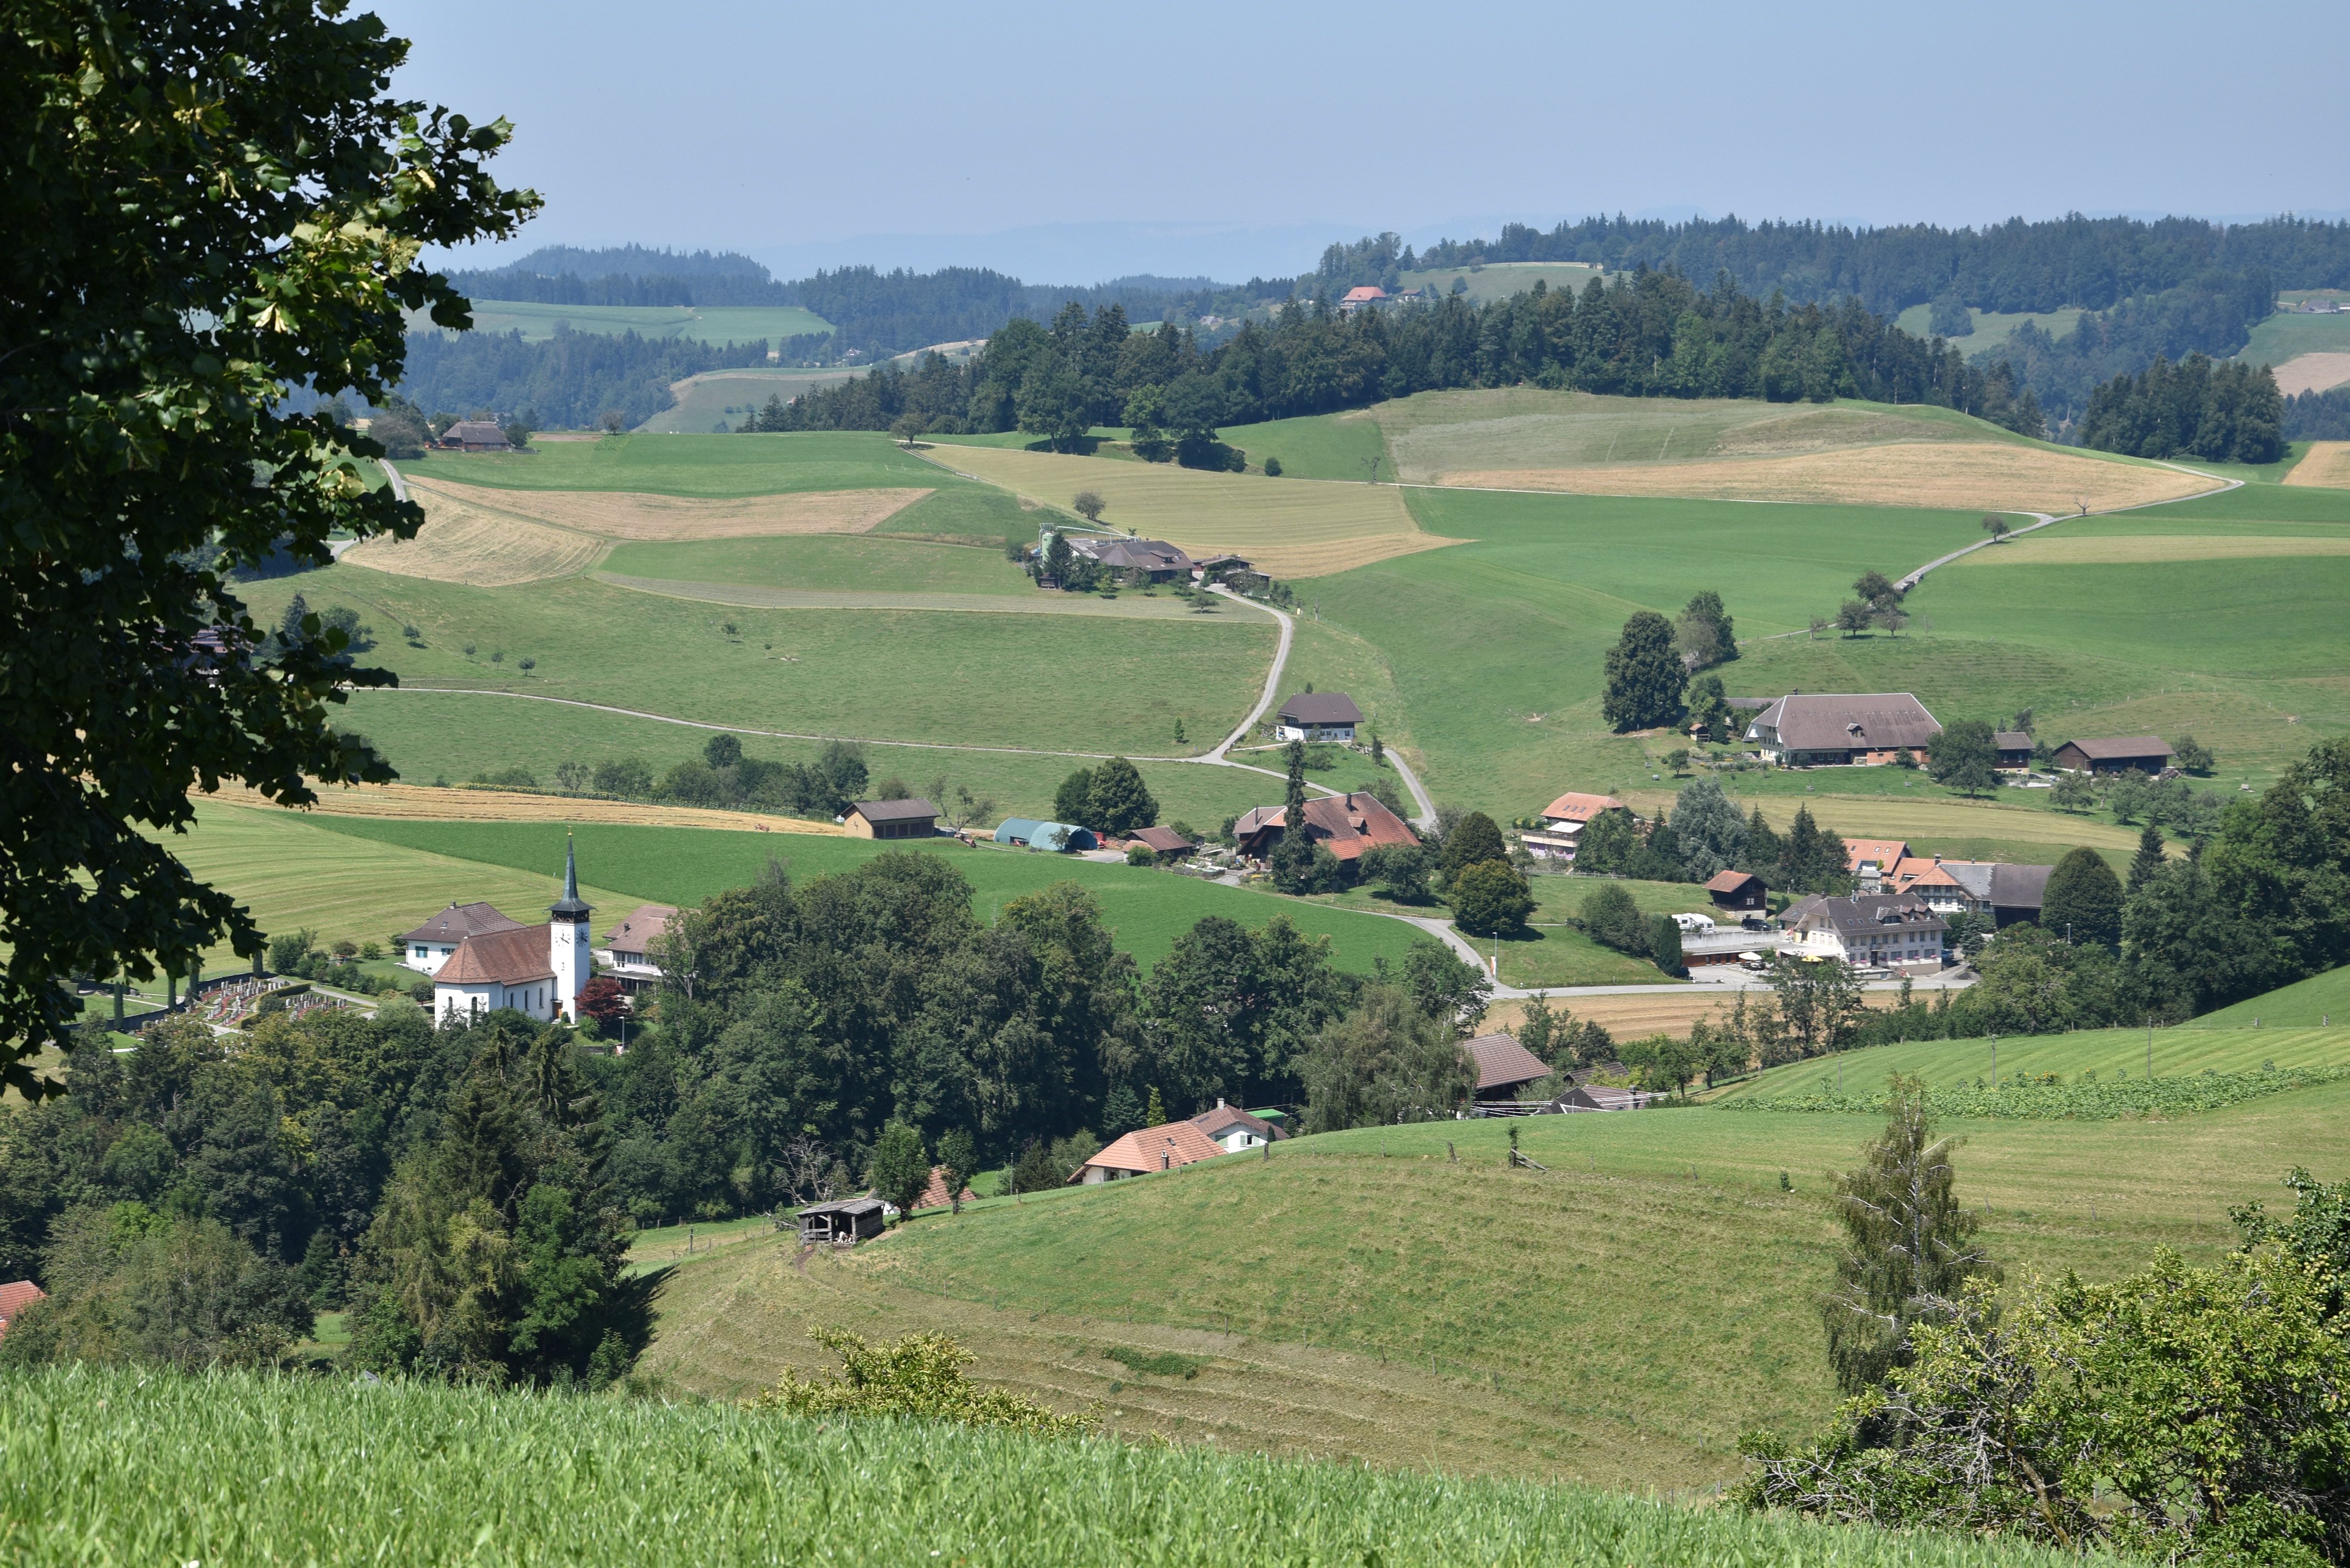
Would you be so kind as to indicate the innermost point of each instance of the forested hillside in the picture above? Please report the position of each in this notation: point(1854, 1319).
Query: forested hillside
point(574, 378)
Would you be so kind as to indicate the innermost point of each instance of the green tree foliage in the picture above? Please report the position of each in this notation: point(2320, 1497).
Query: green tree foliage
point(2074, 792)
point(1855, 617)
point(1445, 986)
point(1386, 1060)
point(1118, 801)
point(1664, 945)
point(1644, 675)
point(2147, 860)
point(1403, 869)
point(1909, 1243)
point(900, 1167)
point(1763, 847)
point(1819, 1005)
point(1705, 633)
point(2228, 412)
point(1611, 918)
point(1228, 1012)
point(1073, 801)
point(1710, 832)
point(1475, 838)
point(1708, 704)
point(959, 1154)
point(1966, 757)
point(2083, 903)
point(280, 201)
point(919, 1377)
point(2193, 756)
point(722, 752)
point(1490, 898)
point(1610, 842)
point(1810, 859)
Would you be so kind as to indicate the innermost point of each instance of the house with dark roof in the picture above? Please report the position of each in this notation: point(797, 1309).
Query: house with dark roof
point(474, 435)
point(1155, 559)
point(1163, 842)
point(430, 945)
point(2018, 893)
point(2114, 755)
point(1740, 891)
point(1318, 716)
point(1165, 1148)
point(843, 1222)
point(1345, 824)
point(1842, 730)
point(2015, 748)
point(1502, 1067)
point(1234, 1129)
point(1866, 931)
point(537, 970)
point(891, 819)
point(627, 951)
point(1608, 1097)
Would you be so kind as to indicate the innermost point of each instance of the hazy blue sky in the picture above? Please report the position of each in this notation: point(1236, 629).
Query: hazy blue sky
point(1071, 142)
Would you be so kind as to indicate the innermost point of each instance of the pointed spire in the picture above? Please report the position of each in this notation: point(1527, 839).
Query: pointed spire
point(569, 906)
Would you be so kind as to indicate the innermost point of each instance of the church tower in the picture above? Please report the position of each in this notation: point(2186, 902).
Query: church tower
point(568, 936)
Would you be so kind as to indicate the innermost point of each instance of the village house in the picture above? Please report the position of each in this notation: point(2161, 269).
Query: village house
point(1868, 931)
point(891, 819)
point(1843, 730)
point(1563, 821)
point(627, 952)
point(1219, 568)
point(1361, 297)
point(1234, 1129)
point(474, 435)
point(1503, 1068)
point(1165, 1148)
point(537, 970)
point(2114, 755)
point(432, 944)
point(2015, 748)
point(1318, 716)
point(1345, 824)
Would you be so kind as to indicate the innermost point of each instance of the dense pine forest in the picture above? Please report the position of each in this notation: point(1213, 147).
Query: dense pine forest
point(2227, 413)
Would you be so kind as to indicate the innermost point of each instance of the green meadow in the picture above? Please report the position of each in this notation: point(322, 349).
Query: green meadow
point(827, 562)
point(2280, 337)
point(708, 323)
point(909, 675)
point(1500, 280)
point(704, 465)
point(1993, 328)
point(1315, 446)
point(2216, 1043)
point(2321, 999)
point(727, 397)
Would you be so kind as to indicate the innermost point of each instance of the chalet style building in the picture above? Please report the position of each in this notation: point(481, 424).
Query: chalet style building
point(1318, 716)
point(1868, 931)
point(1563, 821)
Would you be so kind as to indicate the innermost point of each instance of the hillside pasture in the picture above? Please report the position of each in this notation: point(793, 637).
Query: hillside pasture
point(1122, 607)
point(2277, 340)
point(2314, 1000)
point(1289, 528)
point(2312, 372)
point(1993, 328)
point(618, 514)
point(691, 465)
point(2327, 465)
point(536, 320)
point(716, 397)
point(1317, 446)
point(482, 547)
point(845, 563)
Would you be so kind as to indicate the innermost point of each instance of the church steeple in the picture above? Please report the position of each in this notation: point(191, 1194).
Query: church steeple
point(569, 907)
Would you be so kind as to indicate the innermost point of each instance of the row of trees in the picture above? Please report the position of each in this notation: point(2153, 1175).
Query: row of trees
point(2228, 412)
point(725, 777)
point(1704, 836)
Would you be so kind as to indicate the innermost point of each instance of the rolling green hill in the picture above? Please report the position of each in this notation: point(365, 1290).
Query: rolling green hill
point(2315, 1001)
point(1992, 329)
point(710, 465)
point(708, 323)
point(2280, 338)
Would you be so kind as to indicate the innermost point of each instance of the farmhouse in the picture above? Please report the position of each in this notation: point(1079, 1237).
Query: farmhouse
point(537, 970)
point(1217, 568)
point(1319, 716)
point(891, 819)
point(1868, 931)
point(627, 949)
point(846, 1221)
point(1738, 891)
point(1502, 1067)
point(2018, 893)
point(2015, 748)
point(1234, 1129)
point(1842, 730)
point(1361, 297)
point(2114, 755)
point(474, 435)
point(1027, 833)
point(1345, 824)
point(430, 945)
point(1155, 559)
point(1563, 821)
point(1163, 842)
point(1152, 1148)
point(1871, 860)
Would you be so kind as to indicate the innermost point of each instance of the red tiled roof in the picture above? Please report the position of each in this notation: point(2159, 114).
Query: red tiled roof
point(1502, 1062)
point(1223, 1118)
point(1573, 807)
point(14, 1298)
point(1886, 852)
point(505, 957)
point(1345, 824)
point(1363, 291)
point(1730, 881)
point(1154, 1149)
point(934, 1196)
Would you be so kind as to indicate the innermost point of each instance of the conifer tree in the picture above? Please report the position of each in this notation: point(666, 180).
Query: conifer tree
point(2149, 858)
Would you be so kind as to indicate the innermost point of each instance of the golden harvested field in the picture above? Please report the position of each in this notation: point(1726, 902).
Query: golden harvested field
point(1992, 476)
point(2327, 464)
point(2311, 373)
point(484, 547)
point(423, 803)
point(2059, 549)
point(617, 514)
point(1289, 528)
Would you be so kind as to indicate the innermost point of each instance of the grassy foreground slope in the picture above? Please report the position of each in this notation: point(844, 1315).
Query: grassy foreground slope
point(1619, 1318)
point(326, 1471)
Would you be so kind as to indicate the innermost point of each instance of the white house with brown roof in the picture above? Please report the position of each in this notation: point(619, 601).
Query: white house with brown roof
point(1842, 729)
point(537, 970)
point(1318, 716)
point(1563, 821)
point(1868, 931)
point(627, 951)
point(430, 945)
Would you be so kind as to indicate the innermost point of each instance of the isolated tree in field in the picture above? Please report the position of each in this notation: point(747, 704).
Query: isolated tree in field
point(1073, 801)
point(1474, 839)
point(1909, 1243)
point(2083, 903)
point(1855, 617)
point(2074, 792)
point(1703, 633)
point(1998, 527)
point(900, 1167)
point(1086, 505)
point(208, 205)
point(1119, 800)
point(1645, 675)
point(2193, 756)
point(1965, 757)
point(723, 751)
point(2147, 860)
point(1710, 832)
point(1490, 898)
point(1877, 589)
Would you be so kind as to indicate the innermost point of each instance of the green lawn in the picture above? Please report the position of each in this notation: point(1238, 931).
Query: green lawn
point(712, 465)
point(708, 323)
point(2314, 1000)
point(714, 397)
point(1315, 446)
point(1051, 683)
point(683, 865)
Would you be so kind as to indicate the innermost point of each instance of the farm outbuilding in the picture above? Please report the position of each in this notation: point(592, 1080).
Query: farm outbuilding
point(842, 1222)
point(2114, 755)
point(1738, 891)
point(1027, 833)
point(1503, 1066)
point(891, 819)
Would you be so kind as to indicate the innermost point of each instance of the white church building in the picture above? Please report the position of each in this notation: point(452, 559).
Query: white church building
point(537, 970)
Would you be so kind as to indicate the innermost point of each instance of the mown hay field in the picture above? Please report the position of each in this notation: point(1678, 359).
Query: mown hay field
point(829, 562)
point(429, 803)
point(619, 515)
point(329, 1470)
point(708, 465)
point(2313, 373)
point(2327, 464)
point(1985, 474)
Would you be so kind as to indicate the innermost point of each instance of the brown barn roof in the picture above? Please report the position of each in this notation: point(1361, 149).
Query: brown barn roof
point(1730, 881)
point(1165, 840)
point(1501, 1062)
point(457, 921)
point(1575, 807)
point(506, 958)
point(1346, 825)
point(1322, 707)
point(935, 1196)
point(475, 432)
point(1841, 722)
point(1154, 1149)
point(2117, 748)
point(2011, 740)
